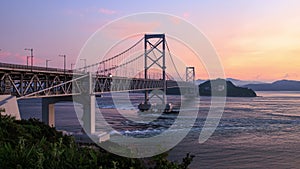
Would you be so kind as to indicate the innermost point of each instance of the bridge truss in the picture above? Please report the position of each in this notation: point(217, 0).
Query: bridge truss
point(110, 75)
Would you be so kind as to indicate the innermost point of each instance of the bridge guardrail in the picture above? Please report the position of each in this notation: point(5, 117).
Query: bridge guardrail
point(36, 68)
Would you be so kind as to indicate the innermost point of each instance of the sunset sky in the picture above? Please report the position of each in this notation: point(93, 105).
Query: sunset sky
point(255, 39)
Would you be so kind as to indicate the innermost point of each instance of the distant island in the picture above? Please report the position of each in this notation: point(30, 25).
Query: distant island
point(236, 82)
point(281, 85)
point(219, 89)
point(232, 90)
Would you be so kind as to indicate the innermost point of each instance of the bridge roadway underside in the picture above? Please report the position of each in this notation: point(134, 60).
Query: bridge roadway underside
point(88, 102)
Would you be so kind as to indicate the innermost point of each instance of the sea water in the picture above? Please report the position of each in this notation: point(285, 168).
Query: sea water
point(261, 132)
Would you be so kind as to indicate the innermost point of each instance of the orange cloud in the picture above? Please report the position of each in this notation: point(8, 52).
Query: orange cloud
point(267, 49)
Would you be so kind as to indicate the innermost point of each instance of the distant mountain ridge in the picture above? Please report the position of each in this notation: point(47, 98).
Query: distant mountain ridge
point(236, 82)
point(281, 85)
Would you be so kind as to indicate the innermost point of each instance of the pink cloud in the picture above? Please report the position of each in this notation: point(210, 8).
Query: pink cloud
point(124, 28)
point(18, 58)
point(5, 54)
point(186, 15)
point(107, 11)
point(9, 57)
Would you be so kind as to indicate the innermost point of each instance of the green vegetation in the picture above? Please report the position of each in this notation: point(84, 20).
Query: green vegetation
point(2, 110)
point(32, 144)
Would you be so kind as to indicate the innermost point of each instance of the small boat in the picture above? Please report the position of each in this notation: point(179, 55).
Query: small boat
point(166, 108)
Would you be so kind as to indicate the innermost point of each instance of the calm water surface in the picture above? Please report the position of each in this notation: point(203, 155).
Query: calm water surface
point(261, 132)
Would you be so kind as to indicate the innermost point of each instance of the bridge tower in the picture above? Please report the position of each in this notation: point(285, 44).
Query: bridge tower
point(191, 90)
point(154, 43)
point(190, 74)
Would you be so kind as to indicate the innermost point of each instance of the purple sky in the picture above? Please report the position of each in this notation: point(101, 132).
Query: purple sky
point(248, 32)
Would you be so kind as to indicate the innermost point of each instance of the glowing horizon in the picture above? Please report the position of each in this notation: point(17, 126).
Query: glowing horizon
point(255, 40)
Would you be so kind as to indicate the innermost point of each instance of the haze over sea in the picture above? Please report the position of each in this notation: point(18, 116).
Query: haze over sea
point(259, 132)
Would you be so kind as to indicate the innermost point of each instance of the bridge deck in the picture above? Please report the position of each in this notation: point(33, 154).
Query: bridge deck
point(25, 68)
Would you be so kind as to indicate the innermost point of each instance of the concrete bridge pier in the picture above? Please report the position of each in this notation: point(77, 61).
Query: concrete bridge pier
point(48, 111)
point(88, 118)
point(88, 102)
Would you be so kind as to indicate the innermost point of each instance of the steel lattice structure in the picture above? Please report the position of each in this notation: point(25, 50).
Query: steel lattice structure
point(32, 81)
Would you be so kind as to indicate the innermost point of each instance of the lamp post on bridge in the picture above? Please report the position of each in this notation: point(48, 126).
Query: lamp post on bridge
point(47, 60)
point(31, 55)
point(72, 65)
point(116, 70)
point(104, 68)
point(27, 60)
point(84, 64)
point(64, 56)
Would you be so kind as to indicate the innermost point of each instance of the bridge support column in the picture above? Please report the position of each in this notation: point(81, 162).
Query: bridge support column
point(151, 61)
point(89, 119)
point(160, 61)
point(7, 85)
point(89, 108)
point(48, 112)
point(190, 74)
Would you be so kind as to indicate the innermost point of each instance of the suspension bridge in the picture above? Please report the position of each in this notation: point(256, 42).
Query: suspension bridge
point(141, 67)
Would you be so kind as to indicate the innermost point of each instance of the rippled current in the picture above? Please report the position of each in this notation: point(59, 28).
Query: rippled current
point(261, 132)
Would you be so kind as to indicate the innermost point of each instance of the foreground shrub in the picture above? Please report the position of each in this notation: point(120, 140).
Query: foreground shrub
point(32, 144)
